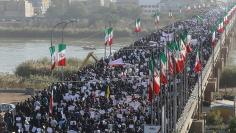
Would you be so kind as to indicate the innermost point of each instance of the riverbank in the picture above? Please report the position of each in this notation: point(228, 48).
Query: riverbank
point(39, 34)
point(37, 74)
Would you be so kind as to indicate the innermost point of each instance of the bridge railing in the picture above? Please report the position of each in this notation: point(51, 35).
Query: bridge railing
point(185, 119)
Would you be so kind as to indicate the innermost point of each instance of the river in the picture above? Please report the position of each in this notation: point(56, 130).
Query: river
point(13, 52)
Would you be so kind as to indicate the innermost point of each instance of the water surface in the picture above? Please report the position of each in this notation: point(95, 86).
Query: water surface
point(14, 52)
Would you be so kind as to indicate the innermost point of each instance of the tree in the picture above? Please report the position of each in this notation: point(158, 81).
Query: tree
point(55, 12)
point(77, 10)
point(232, 125)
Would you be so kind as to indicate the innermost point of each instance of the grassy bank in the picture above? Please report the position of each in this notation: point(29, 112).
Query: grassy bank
point(37, 74)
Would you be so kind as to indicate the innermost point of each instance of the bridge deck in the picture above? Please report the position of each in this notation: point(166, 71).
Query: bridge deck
point(185, 121)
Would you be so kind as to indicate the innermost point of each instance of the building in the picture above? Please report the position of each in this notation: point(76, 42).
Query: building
point(149, 6)
point(40, 6)
point(105, 3)
point(29, 9)
point(12, 9)
point(77, 1)
point(45, 5)
point(126, 2)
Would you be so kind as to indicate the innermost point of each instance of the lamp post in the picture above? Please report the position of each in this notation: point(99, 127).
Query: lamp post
point(64, 26)
point(60, 23)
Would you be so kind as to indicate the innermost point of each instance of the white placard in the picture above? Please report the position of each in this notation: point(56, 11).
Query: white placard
point(151, 129)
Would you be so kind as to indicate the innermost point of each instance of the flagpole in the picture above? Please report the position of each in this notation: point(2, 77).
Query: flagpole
point(52, 30)
point(171, 97)
point(175, 94)
point(161, 93)
point(198, 99)
point(105, 45)
point(213, 62)
point(110, 44)
point(201, 76)
point(175, 98)
point(167, 97)
point(153, 96)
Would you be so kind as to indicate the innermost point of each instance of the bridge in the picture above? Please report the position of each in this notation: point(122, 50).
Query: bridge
point(210, 81)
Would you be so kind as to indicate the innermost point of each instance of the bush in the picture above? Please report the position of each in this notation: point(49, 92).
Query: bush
point(232, 126)
point(214, 118)
point(228, 77)
point(42, 67)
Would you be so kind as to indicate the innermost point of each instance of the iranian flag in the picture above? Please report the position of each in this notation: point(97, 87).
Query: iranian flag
point(197, 66)
point(170, 63)
point(106, 36)
point(178, 58)
point(154, 77)
point(213, 39)
point(110, 36)
point(188, 45)
point(61, 55)
point(221, 27)
point(186, 38)
point(157, 18)
point(51, 104)
point(179, 62)
point(163, 69)
point(138, 25)
point(53, 57)
point(226, 21)
point(183, 50)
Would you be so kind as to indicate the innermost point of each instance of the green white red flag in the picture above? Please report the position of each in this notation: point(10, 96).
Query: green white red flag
point(110, 36)
point(138, 25)
point(154, 77)
point(186, 38)
point(197, 66)
point(61, 54)
point(188, 45)
point(183, 50)
point(106, 36)
point(226, 21)
point(226, 17)
point(213, 39)
point(164, 79)
point(157, 18)
point(220, 28)
point(178, 59)
point(53, 57)
point(179, 62)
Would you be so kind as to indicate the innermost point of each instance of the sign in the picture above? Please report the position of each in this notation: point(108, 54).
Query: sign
point(152, 129)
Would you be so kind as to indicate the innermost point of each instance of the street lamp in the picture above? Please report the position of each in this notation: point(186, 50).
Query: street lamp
point(60, 23)
point(64, 26)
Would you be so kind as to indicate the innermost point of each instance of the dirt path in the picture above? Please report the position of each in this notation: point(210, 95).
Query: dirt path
point(12, 97)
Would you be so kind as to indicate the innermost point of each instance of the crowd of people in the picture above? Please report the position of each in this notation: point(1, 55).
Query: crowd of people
point(113, 99)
